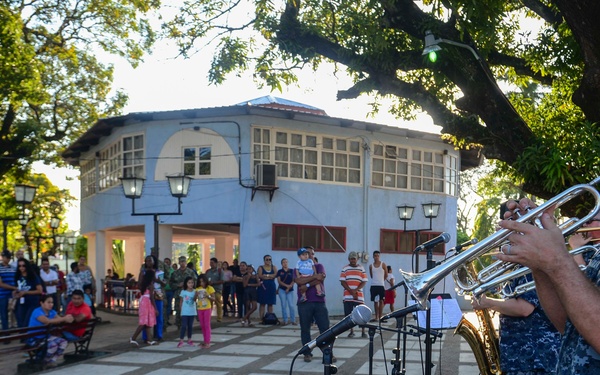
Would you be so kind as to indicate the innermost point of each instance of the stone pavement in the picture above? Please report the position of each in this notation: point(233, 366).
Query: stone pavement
point(252, 350)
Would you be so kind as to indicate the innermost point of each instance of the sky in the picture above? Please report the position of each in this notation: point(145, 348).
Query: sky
point(163, 83)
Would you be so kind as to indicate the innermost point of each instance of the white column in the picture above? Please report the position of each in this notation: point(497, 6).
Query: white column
point(98, 262)
point(224, 248)
point(134, 255)
point(165, 241)
point(206, 254)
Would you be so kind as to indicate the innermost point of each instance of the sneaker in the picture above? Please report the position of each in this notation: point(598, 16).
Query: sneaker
point(180, 344)
point(190, 343)
point(307, 358)
point(302, 299)
point(151, 343)
point(321, 294)
point(294, 323)
point(243, 323)
point(364, 335)
point(351, 334)
point(205, 345)
point(133, 342)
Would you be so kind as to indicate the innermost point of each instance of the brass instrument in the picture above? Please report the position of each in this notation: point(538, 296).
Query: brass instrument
point(421, 284)
point(483, 342)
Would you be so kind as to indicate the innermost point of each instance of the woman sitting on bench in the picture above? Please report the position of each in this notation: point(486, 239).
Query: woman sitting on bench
point(42, 316)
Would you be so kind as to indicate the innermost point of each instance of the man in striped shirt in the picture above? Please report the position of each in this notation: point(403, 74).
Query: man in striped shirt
point(7, 285)
point(353, 279)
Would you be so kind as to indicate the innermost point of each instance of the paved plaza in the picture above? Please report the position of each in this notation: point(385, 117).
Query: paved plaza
point(253, 350)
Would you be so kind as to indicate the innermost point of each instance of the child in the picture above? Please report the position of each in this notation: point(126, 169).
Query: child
point(147, 309)
point(250, 282)
point(88, 298)
point(206, 296)
point(187, 308)
point(304, 268)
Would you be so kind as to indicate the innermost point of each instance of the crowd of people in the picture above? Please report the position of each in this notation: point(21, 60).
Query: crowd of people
point(32, 296)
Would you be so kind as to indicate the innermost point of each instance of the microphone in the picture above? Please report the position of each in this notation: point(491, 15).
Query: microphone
point(359, 316)
point(444, 237)
point(401, 283)
point(405, 311)
point(473, 241)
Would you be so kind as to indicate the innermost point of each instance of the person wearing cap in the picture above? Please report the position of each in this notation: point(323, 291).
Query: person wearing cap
point(7, 285)
point(353, 279)
point(305, 268)
point(176, 283)
point(314, 309)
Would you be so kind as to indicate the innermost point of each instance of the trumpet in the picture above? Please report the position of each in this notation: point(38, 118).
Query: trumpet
point(501, 281)
point(421, 284)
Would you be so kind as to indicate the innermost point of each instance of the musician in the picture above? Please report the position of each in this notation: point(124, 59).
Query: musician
point(570, 300)
point(529, 343)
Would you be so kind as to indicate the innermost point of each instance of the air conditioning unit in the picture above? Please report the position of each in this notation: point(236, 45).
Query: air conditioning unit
point(265, 175)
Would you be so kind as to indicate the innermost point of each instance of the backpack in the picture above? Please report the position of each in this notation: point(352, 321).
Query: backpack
point(270, 319)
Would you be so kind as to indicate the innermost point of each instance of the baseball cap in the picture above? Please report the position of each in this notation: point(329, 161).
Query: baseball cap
point(353, 254)
point(302, 251)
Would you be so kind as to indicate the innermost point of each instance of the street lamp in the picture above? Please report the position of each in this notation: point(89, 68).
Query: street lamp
point(432, 46)
point(24, 195)
point(431, 210)
point(179, 186)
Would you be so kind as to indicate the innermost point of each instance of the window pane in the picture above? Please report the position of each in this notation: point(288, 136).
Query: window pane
point(281, 138)
point(341, 175)
point(389, 180)
point(266, 153)
point(340, 145)
point(311, 157)
point(205, 153)
point(428, 157)
point(189, 169)
point(389, 241)
point(256, 135)
point(438, 172)
point(281, 153)
point(341, 160)
point(354, 146)
point(328, 143)
point(354, 176)
point(378, 165)
point(439, 159)
point(427, 184)
point(378, 150)
point(416, 155)
point(354, 161)
point(403, 153)
point(333, 243)
point(296, 155)
point(402, 182)
point(286, 237)
point(415, 169)
point(296, 140)
point(266, 136)
point(327, 158)
point(310, 172)
point(296, 170)
point(390, 166)
point(390, 152)
point(282, 169)
point(311, 141)
point(402, 167)
point(415, 183)
point(204, 169)
point(327, 174)
point(427, 170)
point(438, 186)
point(127, 144)
point(189, 154)
point(377, 179)
point(138, 142)
point(310, 236)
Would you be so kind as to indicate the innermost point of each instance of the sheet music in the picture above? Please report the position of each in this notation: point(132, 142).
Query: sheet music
point(445, 314)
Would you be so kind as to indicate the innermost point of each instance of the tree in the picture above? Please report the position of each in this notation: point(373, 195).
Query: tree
point(543, 128)
point(52, 86)
point(49, 201)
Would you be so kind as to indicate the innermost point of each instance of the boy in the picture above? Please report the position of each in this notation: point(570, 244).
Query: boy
point(306, 267)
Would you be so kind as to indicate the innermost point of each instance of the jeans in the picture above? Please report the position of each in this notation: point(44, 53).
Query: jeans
point(307, 311)
point(158, 328)
point(241, 303)
point(227, 294)
point(187, 323)
point(287, 304)
point(4, 312)
point(169, 301)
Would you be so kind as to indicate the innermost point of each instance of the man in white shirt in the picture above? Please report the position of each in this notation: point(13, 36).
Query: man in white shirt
point(50, 279)
point(378, 273)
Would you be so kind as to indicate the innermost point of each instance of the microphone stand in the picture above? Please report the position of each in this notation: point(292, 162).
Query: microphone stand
point(328, 367)
point(428, 339)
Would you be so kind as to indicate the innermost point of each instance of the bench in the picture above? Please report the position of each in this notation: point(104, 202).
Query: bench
point(82, 343)
point(22, 340)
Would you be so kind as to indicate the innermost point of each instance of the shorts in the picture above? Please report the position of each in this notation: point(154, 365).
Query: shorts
point(377, 291)
point(349, 306)
point(250, 294)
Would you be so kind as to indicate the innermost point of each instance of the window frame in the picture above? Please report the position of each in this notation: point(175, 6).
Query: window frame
point(425, 235)
point(298, 241)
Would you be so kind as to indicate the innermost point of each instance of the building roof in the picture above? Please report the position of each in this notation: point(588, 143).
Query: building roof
point(268, 106)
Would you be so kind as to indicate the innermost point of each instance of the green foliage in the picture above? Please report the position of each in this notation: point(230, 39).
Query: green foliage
point(118, 257)
point(194, 255)
point(527, 47)
point(52, 86)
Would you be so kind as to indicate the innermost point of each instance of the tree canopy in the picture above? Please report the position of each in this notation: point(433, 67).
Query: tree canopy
point(52, 84)
point(519, 79)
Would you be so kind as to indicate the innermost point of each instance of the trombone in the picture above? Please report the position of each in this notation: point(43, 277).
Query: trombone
point(421, 284)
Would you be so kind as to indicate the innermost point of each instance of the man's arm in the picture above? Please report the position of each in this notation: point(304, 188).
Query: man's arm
point(6, 286)
point(515, 307)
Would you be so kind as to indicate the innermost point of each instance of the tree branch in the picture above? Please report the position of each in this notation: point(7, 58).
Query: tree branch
point(519, 65)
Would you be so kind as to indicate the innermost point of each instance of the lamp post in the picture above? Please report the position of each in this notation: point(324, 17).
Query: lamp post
point(24, 195)
point(179, 186)
point(405, 213)
point(54, 224)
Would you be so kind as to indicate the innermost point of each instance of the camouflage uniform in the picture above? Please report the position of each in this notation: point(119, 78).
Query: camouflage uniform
point(576, 355)
point(529, 344)
point(175, 281)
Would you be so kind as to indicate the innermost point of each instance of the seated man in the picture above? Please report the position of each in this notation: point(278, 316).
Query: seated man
point(80, 312)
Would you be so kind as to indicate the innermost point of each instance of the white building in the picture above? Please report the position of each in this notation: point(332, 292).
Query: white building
point(328, 182)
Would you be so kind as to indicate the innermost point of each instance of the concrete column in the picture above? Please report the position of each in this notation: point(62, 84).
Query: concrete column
point(224, 248)
point(206, 254)
point(134, 255)
point(165, 241)
point(97, 262)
